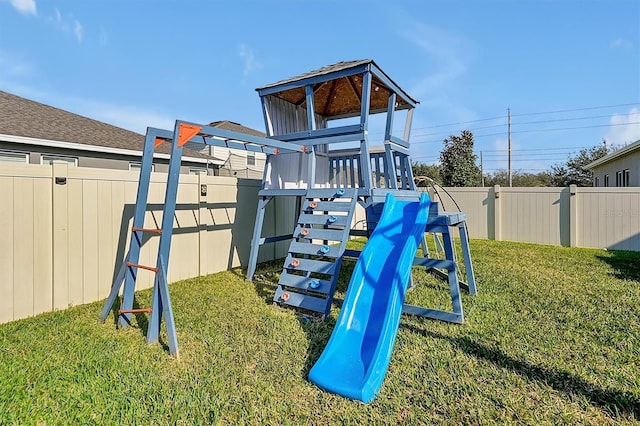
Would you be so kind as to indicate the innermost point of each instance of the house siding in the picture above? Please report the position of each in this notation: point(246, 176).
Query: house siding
point(629, 162)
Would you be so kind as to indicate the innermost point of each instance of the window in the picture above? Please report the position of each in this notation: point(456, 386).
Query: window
point(606, 180)
point(49, 159)
point(625, 177)
point(597, 181)
point(134, 165)
point(196, 170)
point(619, 178)
point(14, 157)
point(251, 158)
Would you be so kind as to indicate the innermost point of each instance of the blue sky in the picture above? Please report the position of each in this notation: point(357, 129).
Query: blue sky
point(569, 70)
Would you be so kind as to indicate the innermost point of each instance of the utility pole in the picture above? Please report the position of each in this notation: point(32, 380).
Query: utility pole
point(481, 169)
point(509, 142)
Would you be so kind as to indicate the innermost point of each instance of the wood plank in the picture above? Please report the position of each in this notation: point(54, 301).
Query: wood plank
point(298, 300)
point(311, 266)
point(302, 283)
point(320, 234)
point(433, 314)
point(331, 193)
point(314, 249)
point(327, 206)
point(322, 219)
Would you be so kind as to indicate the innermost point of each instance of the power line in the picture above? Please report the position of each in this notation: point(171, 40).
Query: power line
point(576, 128)
point(575, 109)
point(570, 119)
point(528, 114)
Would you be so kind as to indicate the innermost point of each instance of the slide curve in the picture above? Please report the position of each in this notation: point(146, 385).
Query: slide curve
point(355, 360)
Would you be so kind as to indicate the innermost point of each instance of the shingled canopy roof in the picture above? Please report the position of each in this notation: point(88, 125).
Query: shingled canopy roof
point(340, 93)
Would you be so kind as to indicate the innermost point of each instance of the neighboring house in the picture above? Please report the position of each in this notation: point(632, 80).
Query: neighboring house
point(34, 133)
point(620, 168)
point(238, 163)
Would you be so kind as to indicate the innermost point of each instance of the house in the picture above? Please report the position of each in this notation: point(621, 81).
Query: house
point(620, 168)
point(34, 133)
point(238, 163)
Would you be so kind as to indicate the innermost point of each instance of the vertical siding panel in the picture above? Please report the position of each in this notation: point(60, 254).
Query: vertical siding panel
point(76, 252)
point(60, 193)
point(90, 243)
point(119, 228)
point(43, 246)
point(611, 220)
point(6, 250)
point(23, 247)
point(105, 237)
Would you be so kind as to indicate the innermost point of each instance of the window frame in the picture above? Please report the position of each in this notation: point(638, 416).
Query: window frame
point(16, 154)
point(251, 155)
point(56, 157)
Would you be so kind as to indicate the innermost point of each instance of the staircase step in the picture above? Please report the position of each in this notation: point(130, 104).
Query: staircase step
point(305, 283)
point(328, 206)
point(332, 193)
point(308, 265)
point(314, 249)
point(324, 219)
point(299, 300)
point(319, 234)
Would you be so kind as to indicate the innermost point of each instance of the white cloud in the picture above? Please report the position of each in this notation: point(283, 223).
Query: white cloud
point(71, 26)
point(77, 30)
point(447, 54)
point(621, 43)
point(251, 64)
point(26, 7)
point(625, 128)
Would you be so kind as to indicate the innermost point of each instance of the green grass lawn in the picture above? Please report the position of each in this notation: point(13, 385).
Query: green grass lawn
point(553, 337)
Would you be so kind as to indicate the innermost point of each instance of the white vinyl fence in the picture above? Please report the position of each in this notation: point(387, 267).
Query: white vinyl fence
point(572, 217)
point(65, 230)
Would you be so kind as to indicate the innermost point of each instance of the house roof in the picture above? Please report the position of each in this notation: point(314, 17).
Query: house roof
point(237, 127)
point(337, 89)
point(29, 119)
point(635, 146)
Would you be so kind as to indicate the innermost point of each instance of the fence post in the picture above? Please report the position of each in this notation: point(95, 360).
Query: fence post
point(497, 213)
point(60, 219)
point(573, 216)
point(202, 228)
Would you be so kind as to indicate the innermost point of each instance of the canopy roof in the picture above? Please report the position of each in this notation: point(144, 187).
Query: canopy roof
point(338, 89)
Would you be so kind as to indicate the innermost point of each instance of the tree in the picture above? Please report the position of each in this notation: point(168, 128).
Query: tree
point(521, 179)
point(573, 172)
point(423, 173)
point(458, 161)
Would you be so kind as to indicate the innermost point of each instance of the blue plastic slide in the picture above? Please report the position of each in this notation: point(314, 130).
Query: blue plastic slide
point(356, 358)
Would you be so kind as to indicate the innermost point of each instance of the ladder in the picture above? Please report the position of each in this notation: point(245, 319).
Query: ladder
point(310, 272)
point(160, 302)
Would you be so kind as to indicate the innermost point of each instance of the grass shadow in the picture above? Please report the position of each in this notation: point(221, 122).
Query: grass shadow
point(614, 402)
point(625, 264)
point(141, 320)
